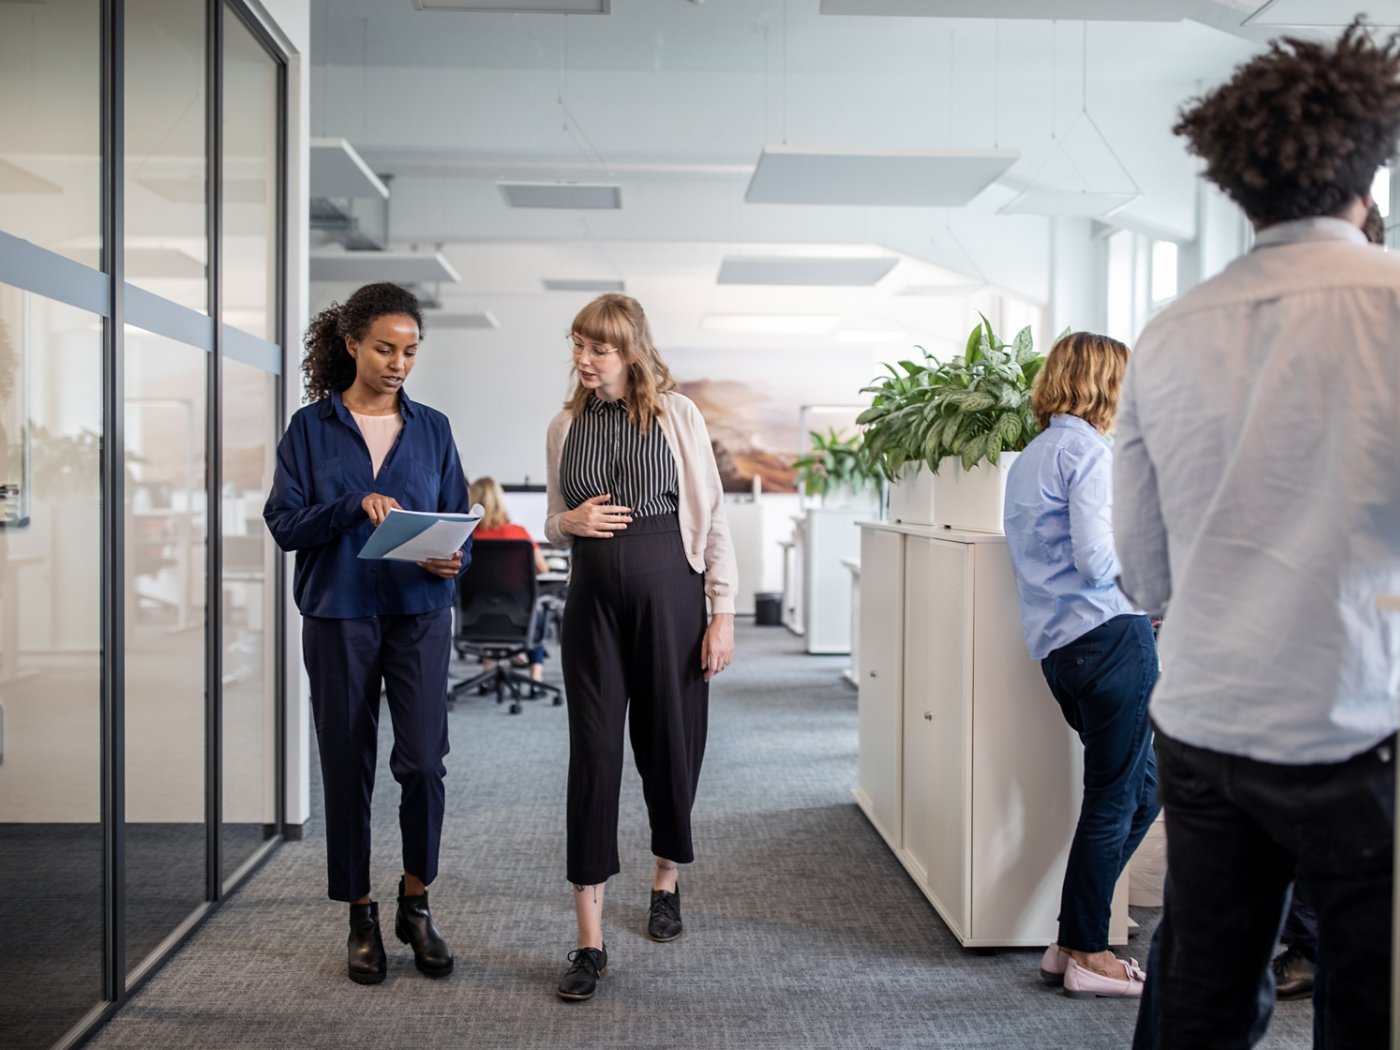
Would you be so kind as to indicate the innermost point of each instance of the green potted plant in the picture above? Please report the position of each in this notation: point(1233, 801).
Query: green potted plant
point(836, 470)
point(973, 409)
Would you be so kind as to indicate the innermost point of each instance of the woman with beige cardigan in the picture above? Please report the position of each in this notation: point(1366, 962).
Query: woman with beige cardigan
point(634, 488)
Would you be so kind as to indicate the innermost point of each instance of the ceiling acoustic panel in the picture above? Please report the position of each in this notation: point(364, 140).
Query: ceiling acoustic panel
point(1043, 10)
point(940, 178)
point(583, 284)
point(1078, 204)
point(799, 270)
point(479, 320)
point(590, 195)
point(368, 267)
point(1321, 14)
point(338, 171)
point(528, 7)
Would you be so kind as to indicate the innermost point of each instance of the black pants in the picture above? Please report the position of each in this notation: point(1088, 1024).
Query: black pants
point(633, 627)
point(1237, 833)
point(1102, 681)
point(346, 661)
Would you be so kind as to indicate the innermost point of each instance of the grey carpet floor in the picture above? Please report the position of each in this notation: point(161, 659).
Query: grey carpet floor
point(803, 931)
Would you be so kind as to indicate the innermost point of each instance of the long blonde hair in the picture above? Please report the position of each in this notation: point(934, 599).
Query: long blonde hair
point(618, 321)
point(1082, 376)
point(487, 491)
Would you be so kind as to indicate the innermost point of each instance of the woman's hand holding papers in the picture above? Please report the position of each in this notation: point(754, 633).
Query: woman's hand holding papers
point(447, 568)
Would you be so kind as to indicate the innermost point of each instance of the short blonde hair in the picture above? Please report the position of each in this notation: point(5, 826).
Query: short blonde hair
point(1082, 376)
point(618, 321)
point(487, 491)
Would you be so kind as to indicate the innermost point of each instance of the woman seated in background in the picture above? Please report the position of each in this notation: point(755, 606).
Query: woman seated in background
point(1096, 651)
point(496, 525)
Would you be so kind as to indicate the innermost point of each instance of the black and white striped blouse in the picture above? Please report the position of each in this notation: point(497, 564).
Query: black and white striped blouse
point(607, 452)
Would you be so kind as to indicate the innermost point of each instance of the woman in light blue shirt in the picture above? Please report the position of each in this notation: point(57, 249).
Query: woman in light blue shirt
point(1097, 652)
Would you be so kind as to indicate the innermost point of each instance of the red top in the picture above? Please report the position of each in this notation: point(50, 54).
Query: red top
point(505, 532)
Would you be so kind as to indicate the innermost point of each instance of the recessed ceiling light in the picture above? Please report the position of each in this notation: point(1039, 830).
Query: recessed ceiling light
point(561, 194)
point(536, 7)
point(583, 284)
point(870, 338)
point(805, 270)
point(769, 324)
point(940, 178)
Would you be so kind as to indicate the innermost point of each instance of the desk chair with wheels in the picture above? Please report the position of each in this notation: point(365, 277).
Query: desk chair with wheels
point(498, 614)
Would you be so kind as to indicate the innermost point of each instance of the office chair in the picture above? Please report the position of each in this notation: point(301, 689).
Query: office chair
point(497, 614)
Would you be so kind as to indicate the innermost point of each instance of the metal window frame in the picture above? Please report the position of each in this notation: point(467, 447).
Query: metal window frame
point(37, 271)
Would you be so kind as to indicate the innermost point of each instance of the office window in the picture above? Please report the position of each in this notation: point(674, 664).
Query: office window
point(167, 243)
point(50, 126)
point(50, 685)
point(1164, 273)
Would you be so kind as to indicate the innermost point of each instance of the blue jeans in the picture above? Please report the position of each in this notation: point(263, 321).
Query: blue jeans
point(1102, 681)
point(1238, 832)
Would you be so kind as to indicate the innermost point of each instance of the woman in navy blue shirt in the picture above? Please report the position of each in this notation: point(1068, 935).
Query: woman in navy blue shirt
point(359, 449)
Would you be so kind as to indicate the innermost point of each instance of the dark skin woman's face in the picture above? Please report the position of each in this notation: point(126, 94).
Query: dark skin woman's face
point(384, 357)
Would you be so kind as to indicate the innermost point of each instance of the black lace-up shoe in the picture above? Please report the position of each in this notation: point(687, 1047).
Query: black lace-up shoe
point(414, 926)
point(586, 967)
point(664, 922)
point(367, 965)
point(1293, 974)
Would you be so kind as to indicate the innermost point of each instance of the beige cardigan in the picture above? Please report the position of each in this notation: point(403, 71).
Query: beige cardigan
point(704, 526)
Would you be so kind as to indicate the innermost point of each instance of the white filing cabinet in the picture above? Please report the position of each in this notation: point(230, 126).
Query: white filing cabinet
point(963, 749)
point(829, 537)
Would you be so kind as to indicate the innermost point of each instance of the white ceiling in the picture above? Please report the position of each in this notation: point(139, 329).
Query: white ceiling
point(675, 100)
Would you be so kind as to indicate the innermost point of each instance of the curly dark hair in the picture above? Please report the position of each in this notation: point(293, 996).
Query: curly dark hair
point(328, 365)
point(1300, 130)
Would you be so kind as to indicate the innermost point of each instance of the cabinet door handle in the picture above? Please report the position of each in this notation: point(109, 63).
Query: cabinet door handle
point(873, 674)
point(928, 716)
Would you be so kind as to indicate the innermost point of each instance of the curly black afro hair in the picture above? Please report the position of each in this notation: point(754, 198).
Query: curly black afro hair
point(328, 365)
point(1300, 130)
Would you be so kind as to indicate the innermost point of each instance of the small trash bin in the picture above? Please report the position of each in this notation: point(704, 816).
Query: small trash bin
point(768, 608)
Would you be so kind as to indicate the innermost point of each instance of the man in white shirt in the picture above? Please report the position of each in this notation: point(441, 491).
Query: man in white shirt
point(1257, 505)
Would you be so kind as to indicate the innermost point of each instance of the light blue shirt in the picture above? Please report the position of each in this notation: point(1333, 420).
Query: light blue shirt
point(1257, 498)
point(1059, 529)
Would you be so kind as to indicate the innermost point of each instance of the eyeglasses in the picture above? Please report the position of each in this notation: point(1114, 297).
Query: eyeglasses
point(579, 348)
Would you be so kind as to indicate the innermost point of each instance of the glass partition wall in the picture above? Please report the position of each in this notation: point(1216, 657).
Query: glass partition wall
point(142, 165)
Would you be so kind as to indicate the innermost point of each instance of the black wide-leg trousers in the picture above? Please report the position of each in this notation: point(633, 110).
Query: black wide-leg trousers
point(633, 626)
point(346, 661)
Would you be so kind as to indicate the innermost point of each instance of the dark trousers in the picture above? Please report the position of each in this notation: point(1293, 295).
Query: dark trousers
point(1102, 681)
point(346, 661)
point(633, 627)
point(1238, 832)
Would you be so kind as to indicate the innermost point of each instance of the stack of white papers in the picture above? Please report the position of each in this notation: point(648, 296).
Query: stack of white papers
point(417, 535)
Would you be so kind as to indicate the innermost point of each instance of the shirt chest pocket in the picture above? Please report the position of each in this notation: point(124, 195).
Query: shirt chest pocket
point(421, 484)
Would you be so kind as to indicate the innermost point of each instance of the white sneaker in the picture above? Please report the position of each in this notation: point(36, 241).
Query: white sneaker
point(1052, 965)
point(1086, 984)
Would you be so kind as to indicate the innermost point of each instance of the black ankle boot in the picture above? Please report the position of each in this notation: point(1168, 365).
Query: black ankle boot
point(367, 965)
point(414, 926)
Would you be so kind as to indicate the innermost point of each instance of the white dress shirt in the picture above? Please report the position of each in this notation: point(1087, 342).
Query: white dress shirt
point(1257, 498)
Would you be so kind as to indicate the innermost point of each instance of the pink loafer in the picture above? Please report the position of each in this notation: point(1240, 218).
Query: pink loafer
point(1052, 965)
point(1086, 984)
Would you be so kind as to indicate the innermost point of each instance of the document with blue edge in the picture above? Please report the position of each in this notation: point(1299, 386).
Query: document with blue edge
point(416, 535)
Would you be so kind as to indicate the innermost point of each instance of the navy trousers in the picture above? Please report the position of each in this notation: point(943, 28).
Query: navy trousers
point(1238, 832)
point(630, 652)
point(347, 660)
point(1102, 681)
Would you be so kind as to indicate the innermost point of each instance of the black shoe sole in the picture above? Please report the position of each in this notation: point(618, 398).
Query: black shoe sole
point(429, 971)
point(570, 998)
point(663, 940)
point(366, 978)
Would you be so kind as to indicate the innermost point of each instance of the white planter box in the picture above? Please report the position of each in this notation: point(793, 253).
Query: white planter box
point(911, 497)
point(971, 499)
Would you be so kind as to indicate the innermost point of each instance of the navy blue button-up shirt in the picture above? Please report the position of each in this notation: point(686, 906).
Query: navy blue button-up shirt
point(323, 475)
